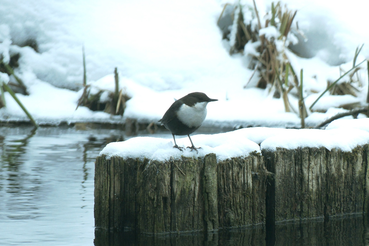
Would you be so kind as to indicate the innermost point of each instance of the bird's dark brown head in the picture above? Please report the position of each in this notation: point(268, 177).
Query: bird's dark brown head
point(196, 97)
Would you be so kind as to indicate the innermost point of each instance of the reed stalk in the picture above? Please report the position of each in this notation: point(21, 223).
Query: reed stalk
point(335, 82)
point(367, 69)
point(84, 67)
point(116, 78)
point(10, 71)
point(302, 107)
point(8, 89)
point(357, 51)
point(2, 94)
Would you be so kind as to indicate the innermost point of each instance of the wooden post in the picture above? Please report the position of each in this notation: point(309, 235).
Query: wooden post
point(241, 191)
point(179, 195)
point(316, 183)
point(366, 181)
point(116, 187)
point(346, 182)
point(203, 194)
point(210, 193)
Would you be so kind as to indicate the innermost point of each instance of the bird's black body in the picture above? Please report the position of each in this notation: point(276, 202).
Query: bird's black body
point(184, 117)
point(173, 124)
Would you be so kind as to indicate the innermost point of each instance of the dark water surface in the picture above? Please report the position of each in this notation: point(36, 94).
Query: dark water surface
point(47, 198)
point(347, 231)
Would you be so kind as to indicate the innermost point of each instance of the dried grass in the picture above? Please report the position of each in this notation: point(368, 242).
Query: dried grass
point(270, 63)
point(6, 68)
point(114, 106)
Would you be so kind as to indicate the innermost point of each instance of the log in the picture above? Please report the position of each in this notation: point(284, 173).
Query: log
point(179, 195)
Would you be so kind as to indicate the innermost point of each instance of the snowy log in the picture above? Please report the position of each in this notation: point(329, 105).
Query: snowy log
point(186, 194)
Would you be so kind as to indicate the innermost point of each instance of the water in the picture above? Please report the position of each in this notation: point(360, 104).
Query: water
point(47, 198)
point(337, 232)
point(47, 184)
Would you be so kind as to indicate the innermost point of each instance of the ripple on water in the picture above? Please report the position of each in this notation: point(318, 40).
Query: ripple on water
point(46, 185)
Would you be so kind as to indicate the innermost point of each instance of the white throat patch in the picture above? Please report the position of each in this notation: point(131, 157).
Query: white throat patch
point(192, 116)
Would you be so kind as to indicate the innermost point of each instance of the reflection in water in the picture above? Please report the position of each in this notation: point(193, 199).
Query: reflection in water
point(13, 181)
point(46, 185)
point(337, 232)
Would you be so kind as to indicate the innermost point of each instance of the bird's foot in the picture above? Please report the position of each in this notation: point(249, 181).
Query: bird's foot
point(180, 148)
point(193, 148)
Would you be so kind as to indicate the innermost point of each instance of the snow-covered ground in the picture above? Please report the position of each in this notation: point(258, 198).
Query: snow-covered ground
point(166, 49)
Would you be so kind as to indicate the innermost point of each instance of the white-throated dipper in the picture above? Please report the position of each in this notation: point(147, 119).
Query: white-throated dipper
point(186, 115)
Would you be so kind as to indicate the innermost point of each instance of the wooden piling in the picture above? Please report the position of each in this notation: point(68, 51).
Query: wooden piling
point(179, 195)
point(316, 183)
point(202, 194)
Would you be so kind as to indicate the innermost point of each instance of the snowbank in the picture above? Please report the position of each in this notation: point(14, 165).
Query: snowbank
point(164, 50)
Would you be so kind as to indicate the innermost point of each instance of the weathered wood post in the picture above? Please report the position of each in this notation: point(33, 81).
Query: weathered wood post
point(177, 195)
point(346, 178)
point(241, 191)
point(316, 183)
point(167, 191)
point(366, 181)
point(210, 192)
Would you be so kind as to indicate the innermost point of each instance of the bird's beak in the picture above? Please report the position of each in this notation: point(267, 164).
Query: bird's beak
point(213, 100)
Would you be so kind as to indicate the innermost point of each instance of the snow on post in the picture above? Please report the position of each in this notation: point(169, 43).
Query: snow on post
point(245, 177)
point(145, 185)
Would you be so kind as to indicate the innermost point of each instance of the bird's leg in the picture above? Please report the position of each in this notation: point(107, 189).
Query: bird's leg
point(193, 146)
point(175, 144)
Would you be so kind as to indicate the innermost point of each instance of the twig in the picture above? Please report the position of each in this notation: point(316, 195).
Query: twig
point(252, 75)
point(257, 14)
point(82, 100)
point(354, 113)
point(335, 82)
point(259, 23)
point(221, 14)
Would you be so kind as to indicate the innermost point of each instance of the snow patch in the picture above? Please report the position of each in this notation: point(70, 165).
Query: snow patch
point(343, 139)
point(239, 143)
point(162, 149)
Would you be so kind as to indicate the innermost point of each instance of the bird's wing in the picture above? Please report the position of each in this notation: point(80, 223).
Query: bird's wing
point(171, 112)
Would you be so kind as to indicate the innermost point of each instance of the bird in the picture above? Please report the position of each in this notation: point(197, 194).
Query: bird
point(186, 115)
